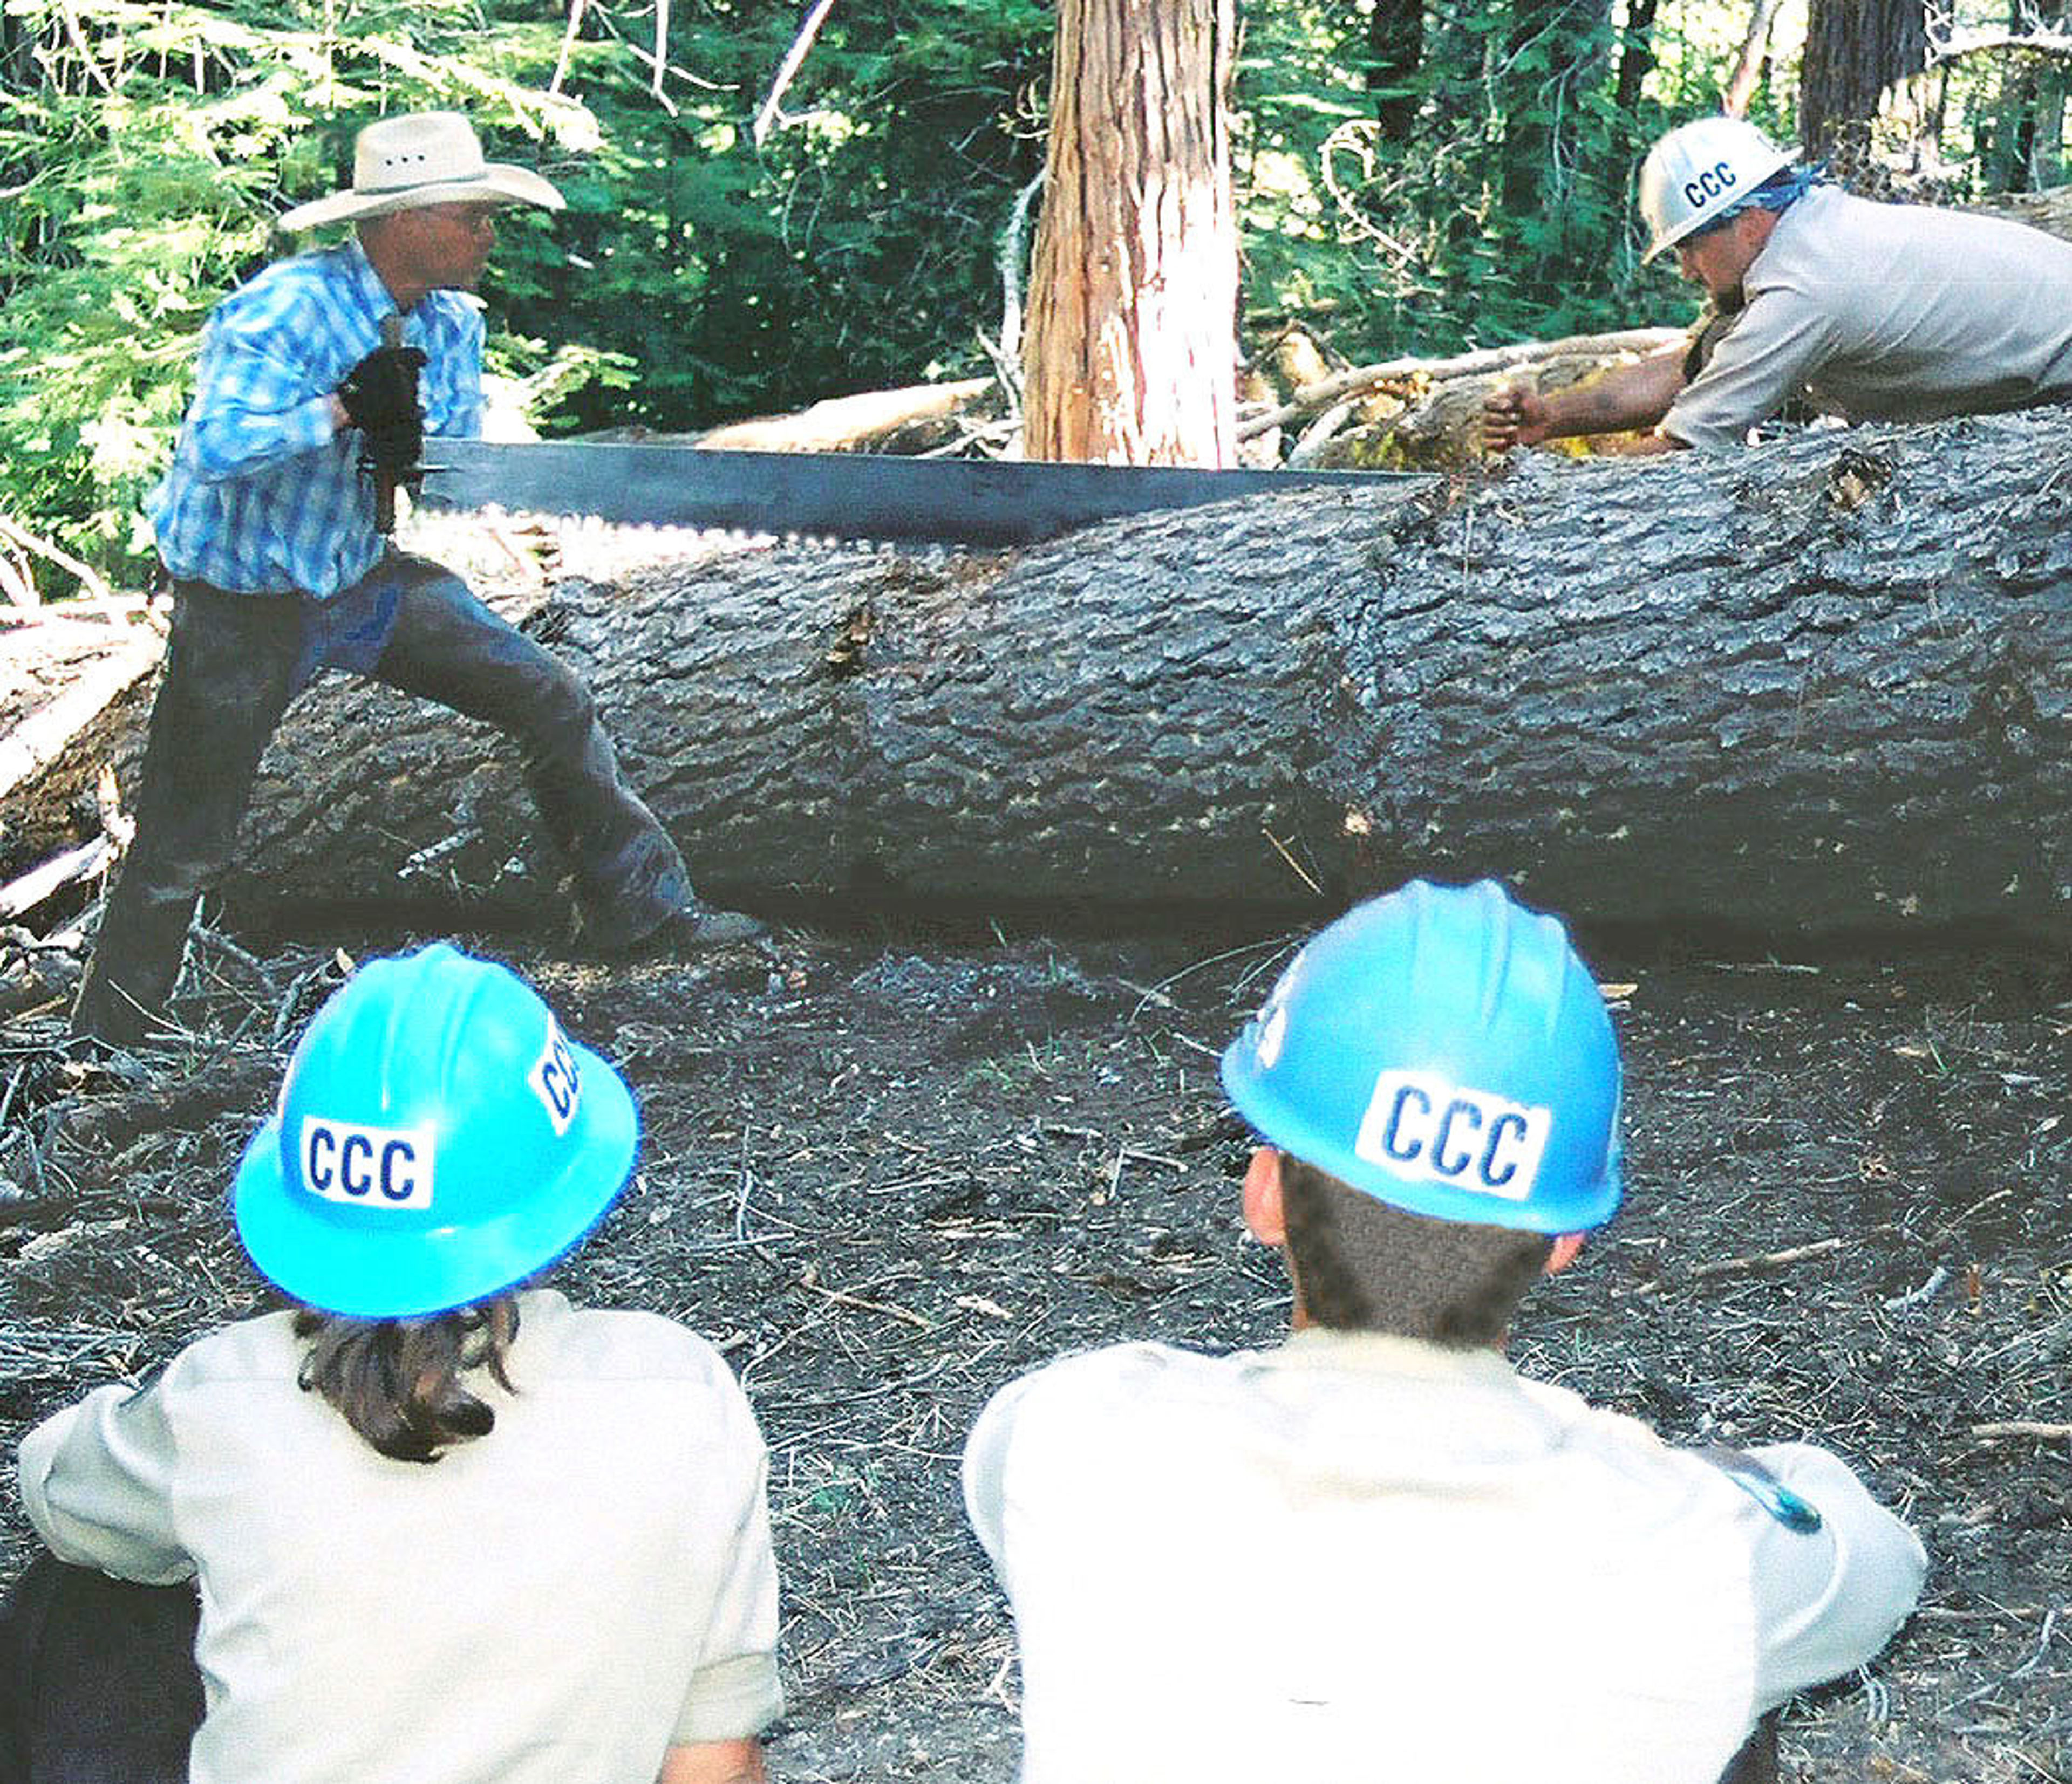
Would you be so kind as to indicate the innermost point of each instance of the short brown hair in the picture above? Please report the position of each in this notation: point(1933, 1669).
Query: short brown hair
point(1363, 1266)
point(396, 1381)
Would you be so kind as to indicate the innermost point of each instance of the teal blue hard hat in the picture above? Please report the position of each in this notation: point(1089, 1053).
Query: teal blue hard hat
point(437, 1139)
point(1444, 1050)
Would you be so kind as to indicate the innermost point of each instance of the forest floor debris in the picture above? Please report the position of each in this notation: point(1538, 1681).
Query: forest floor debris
point(888, 1169)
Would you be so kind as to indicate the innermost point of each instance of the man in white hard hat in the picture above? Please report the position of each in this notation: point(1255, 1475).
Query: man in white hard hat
point(316, 385)
point(1377, 1551)
point(1873, 312)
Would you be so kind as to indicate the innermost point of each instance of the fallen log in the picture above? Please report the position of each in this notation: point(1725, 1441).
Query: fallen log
point(1814, 684)
point(73, 700)
point(916, 418)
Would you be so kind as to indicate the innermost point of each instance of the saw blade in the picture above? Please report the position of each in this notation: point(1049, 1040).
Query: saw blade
point(844, 495)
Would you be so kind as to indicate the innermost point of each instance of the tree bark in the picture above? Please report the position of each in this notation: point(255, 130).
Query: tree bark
point(1854, 50)
point(1395, 49)
point(1814, 685)
point(1131, 350)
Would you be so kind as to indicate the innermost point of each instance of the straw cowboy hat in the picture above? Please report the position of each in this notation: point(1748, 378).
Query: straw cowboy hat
point(419, 159)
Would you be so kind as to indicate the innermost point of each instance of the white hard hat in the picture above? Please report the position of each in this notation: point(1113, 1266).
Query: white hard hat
point(1699, 172)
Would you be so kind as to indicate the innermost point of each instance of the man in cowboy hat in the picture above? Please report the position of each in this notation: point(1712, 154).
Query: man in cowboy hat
point(1875, 312)
point(324, 368)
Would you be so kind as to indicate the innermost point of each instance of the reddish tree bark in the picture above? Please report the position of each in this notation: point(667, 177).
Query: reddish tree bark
point(1131, 350)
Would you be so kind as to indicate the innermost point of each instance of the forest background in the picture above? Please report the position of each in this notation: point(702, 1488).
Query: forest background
point(1413, 177)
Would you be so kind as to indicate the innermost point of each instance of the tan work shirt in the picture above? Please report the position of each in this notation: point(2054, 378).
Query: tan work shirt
point(562, 1599)
point(1358, 1557)
point(1887, 312)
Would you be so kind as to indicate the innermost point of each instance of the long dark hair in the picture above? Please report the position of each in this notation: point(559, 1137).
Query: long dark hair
point(396, 1381)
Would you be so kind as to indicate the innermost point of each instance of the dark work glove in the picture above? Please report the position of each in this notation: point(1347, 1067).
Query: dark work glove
point(380, 397)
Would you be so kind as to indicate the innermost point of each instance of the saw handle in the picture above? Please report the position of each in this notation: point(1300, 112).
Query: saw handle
point(380, 397)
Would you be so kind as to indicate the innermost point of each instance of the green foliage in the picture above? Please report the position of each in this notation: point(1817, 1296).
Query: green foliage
point(1502, 211)
point(145, 149)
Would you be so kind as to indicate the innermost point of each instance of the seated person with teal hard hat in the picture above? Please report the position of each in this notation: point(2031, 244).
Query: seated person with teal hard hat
point(444, 1527)
point(1377, 1550)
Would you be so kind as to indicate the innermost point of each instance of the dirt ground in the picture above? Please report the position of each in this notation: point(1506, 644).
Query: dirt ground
point(887, 1168)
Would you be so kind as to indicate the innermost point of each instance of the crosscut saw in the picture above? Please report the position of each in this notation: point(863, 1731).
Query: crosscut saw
point(836, 494)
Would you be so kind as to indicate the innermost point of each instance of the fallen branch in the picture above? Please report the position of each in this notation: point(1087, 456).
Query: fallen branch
point(24, 894)
point(40, 737)
point(1763, 1260)
point(810, 1279)
point(844, 424)
point(1983, 1201)
point(24, 539)
point(1917, 1297)
point(86, 618)
point(1319, 432)
point(1312, 398)
point(2022, 1427)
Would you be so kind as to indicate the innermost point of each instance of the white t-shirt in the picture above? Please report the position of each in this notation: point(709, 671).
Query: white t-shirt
point(1358, 1557)
point(561, 1600)
point(1887, 312)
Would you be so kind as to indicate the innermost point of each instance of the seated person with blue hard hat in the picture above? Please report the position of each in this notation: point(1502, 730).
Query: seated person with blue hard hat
point(442, 1528)
point(1874, 312)
point(1376, 1551)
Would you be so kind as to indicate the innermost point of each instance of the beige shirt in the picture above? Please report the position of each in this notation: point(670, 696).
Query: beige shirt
point(1362, 1557)
point(561, 1600)
point(1887, 312)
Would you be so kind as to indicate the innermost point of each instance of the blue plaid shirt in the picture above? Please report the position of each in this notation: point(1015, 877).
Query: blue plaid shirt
point(264, 497)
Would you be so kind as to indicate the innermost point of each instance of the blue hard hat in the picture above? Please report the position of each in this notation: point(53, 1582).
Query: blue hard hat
point(1444, 1050)
point(437, 1139)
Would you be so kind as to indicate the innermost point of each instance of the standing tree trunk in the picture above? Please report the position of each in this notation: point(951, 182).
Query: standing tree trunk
point(1855, 49)
point(1132, 350)
point(1636, 55)
point(1555, 51)
point(1395, 49)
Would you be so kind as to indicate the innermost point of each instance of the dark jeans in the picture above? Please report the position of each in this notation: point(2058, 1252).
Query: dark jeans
point(97, 1679)
point(233, 663)
point(1757, 1762)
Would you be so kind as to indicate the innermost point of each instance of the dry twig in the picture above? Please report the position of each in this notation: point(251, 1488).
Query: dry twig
point(810, 1279)
point(1763, 1260)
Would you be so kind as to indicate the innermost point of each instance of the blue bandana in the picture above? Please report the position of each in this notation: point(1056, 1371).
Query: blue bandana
point(1779, 192)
